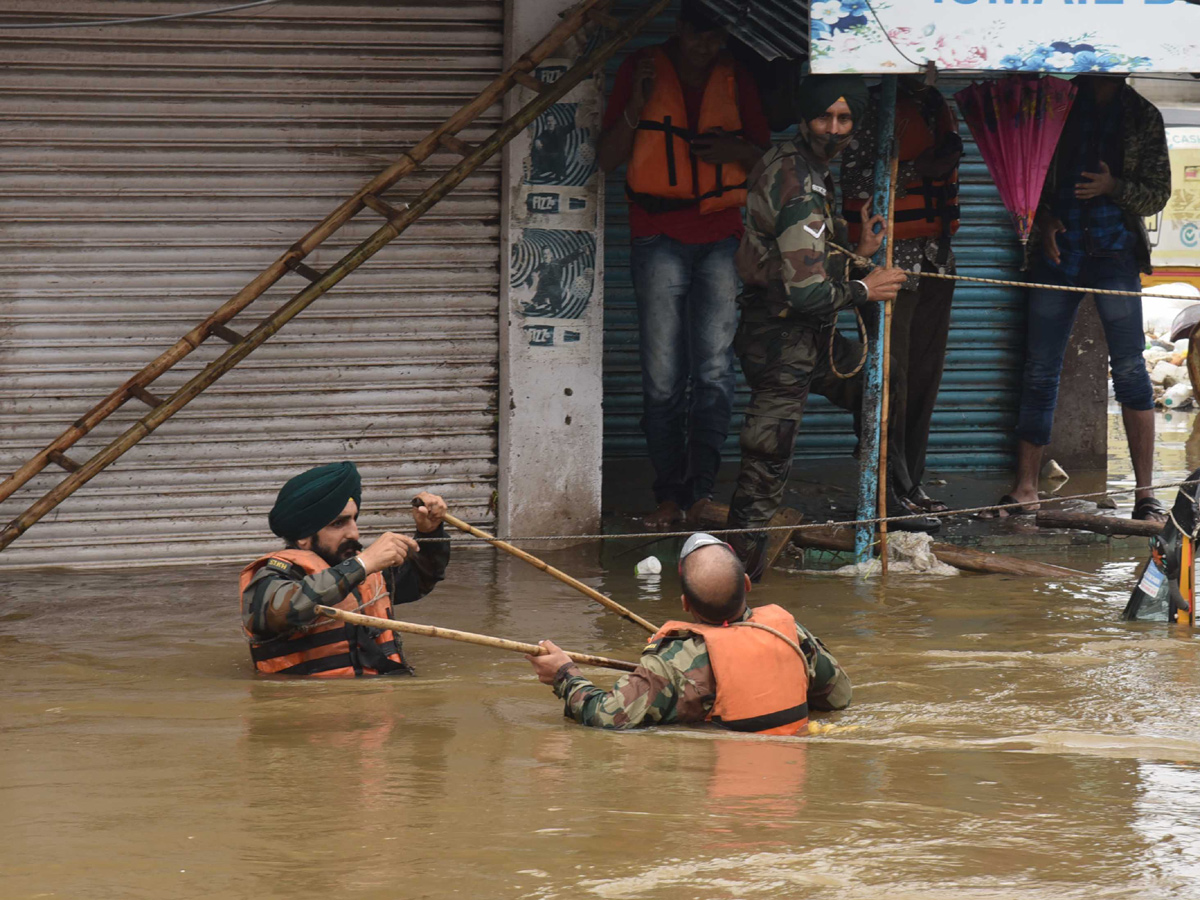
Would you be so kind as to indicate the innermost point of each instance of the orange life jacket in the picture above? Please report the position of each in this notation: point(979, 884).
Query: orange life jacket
point(762, 682)
point(662, 174)
point(930, 206)
point(330, 648)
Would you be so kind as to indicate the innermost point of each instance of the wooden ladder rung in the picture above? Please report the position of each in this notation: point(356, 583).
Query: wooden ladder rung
point(528, 81)
point(57, 456)
point(455, 145)
point(225, 333)
point(382, 207)
point(307, 271)
point(145, 396)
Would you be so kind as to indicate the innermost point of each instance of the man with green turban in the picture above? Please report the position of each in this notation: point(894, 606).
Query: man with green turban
point(323, 563)
point(793, 289)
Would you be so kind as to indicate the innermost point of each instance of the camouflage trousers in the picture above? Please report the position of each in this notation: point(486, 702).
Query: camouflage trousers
point(784, 361)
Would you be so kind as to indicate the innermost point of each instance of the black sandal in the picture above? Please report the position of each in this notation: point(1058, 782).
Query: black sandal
point(1008, 500)
point(918, 496)
point(1149, 509)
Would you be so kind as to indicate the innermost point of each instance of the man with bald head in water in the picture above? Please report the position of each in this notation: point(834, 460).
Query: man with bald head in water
point(746, 669)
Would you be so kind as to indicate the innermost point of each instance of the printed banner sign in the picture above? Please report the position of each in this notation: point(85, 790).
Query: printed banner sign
point(1063, 36)
point(1175, 232)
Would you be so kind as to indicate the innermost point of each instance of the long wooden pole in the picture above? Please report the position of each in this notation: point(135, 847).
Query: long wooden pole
point(468, 637)
point(886, 383)
point(334, 274)
point(606, 602)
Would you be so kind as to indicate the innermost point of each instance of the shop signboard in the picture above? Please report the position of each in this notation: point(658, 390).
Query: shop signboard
point(1057, 36)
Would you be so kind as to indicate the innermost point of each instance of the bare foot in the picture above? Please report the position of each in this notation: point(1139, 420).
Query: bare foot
point(699, 513)
point(667, 514)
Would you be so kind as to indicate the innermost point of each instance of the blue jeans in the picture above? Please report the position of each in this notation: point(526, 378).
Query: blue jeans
point(687, 314)
point(1051, 317)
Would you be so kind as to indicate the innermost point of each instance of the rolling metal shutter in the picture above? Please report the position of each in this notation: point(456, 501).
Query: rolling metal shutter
point(149, 172)
point(976, 410)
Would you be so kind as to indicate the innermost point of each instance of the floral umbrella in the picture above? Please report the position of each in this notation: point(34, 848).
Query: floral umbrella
point(1016, 122)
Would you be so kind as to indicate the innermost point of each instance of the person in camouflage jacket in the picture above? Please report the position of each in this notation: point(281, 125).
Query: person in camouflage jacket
point(795, 285)
point(674, 682)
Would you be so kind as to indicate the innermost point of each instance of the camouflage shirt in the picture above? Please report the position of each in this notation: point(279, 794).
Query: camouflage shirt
point(673, 685)
point(278, 601)
point(783, 259)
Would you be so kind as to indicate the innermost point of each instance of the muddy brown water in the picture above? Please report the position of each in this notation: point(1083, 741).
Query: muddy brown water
point(1007, 738)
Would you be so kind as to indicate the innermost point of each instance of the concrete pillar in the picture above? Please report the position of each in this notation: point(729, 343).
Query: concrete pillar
point(1080, 439)
point(551, 298)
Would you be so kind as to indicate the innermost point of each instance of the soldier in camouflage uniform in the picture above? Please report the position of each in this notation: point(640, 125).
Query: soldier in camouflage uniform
point(674, 683)
point(324, 564)
point(794, 287)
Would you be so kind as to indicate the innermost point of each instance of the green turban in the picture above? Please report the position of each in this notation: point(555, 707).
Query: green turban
point(819, 92)
point(313, 499)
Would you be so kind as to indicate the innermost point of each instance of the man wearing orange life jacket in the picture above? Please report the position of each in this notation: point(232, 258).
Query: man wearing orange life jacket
point(323, 563)
point(744, 669)
point(687, 122)
point(926, 217)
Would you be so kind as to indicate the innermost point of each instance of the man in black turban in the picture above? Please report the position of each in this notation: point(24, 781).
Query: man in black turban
point(794, 287)
point(323, 563)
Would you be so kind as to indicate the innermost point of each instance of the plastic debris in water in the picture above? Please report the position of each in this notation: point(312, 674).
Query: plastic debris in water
point(648, 566)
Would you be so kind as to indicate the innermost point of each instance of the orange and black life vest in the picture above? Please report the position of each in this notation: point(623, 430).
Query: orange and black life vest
point(762, 682)
point(930, 205)
point(662, 174)
point(329, 649)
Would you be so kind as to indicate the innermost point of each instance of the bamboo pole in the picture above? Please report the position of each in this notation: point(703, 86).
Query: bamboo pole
point(468, 637)
point(1051, 518)
point(886, 384)
point(606, 602)
point(841, 538)
point(334, 274)
point(409, 161)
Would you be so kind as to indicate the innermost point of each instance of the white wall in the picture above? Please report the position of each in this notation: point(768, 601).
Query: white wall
point(551, 312)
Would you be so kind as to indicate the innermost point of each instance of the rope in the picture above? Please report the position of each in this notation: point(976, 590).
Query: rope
point(864, 261)
point(761, 529)
point(862, 336)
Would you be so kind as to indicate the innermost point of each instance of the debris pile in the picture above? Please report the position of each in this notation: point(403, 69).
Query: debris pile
point(1166, 360)
point(909, 553)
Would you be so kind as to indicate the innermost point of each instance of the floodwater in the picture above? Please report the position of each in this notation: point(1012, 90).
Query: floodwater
point(1008, 737)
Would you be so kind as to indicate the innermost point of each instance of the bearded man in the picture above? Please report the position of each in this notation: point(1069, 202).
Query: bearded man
point(323, 563)
point(794, 287)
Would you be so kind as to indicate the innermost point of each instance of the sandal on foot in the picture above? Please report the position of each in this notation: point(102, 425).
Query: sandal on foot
point(1023, 510)
point(1149, 509)
point(918, 496)
point(665, 516)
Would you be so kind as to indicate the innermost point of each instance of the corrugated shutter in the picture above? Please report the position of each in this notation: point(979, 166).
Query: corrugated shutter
point(149, 172)
point(976, 409)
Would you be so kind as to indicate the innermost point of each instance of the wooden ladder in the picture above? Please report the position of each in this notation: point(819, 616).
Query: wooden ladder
point(397, 219)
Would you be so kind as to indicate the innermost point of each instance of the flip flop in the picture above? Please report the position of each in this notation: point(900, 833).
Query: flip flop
point(1022, 510)
point(927, 503)
point(1149, 509)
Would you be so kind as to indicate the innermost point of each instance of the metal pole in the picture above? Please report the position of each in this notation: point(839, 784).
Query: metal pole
point(872, 405)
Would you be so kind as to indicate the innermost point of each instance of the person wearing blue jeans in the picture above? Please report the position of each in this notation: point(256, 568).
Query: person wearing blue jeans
point(687, 315)
point(1109, 171)
point(686, 121)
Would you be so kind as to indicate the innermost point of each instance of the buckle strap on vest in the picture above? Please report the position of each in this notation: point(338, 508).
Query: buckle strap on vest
point(766, 722)
point(284, 646)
